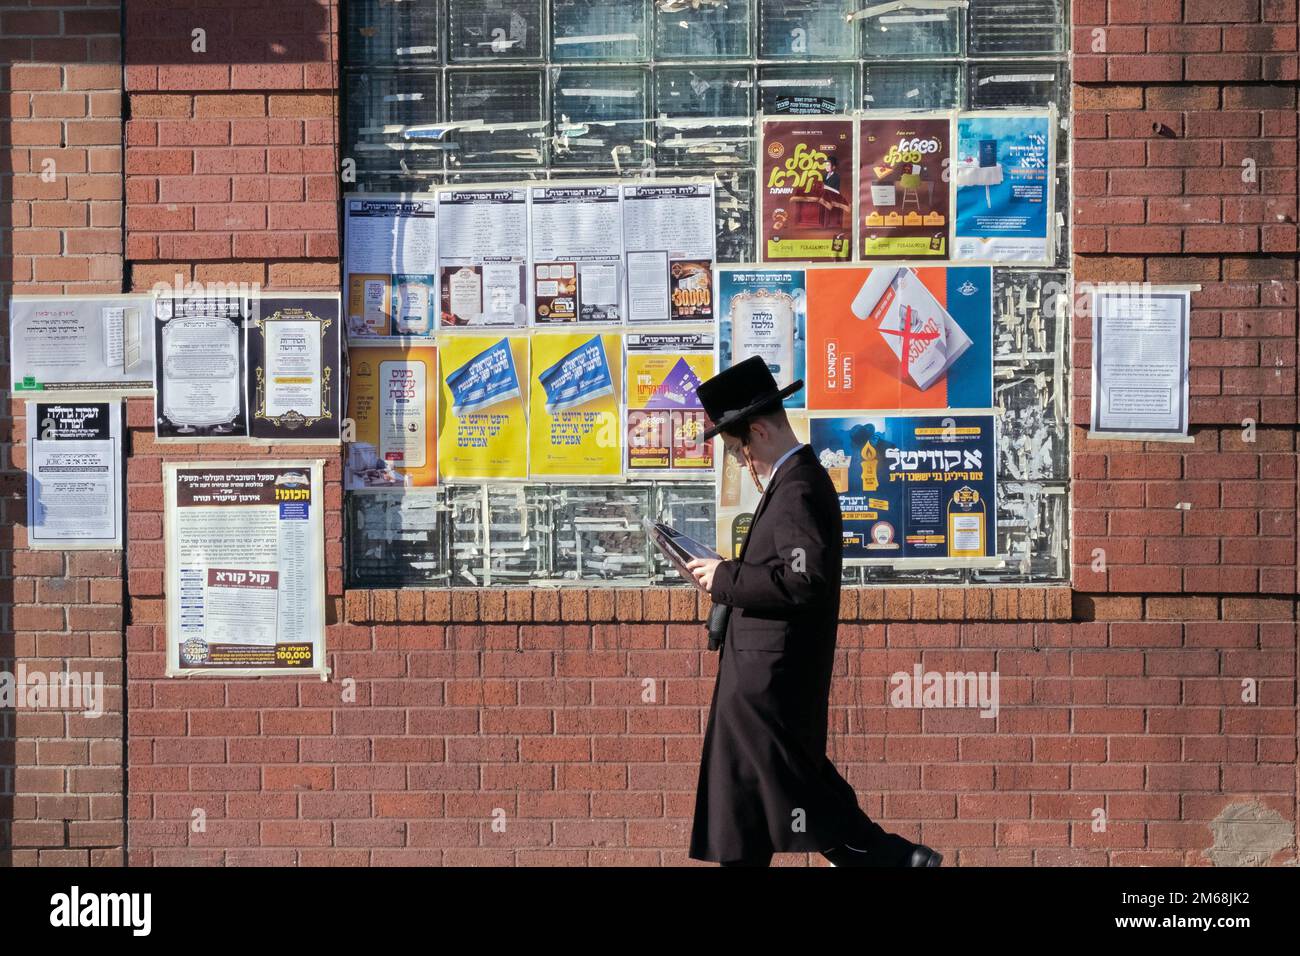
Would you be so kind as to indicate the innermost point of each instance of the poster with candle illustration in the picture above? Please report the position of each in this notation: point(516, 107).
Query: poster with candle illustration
point(912, 487)
point(893, 337)
point(806, 190)
point(1005, 177)
point(574, 422)
point(483, 429)
point(903, 187)
point(665, 420)
point(763, 313)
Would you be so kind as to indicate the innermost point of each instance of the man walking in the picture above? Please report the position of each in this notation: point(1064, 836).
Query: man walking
point(766, 785)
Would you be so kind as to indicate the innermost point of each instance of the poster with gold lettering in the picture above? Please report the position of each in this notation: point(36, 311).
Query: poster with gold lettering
point(393, 405)
point(806, 180)
point(575, 428)
point(903, 187)
point(483, 412)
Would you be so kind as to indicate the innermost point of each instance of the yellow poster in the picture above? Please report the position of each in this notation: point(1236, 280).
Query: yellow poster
point(393, 404)
point(577, 384)
point(664, 417)
point(483, 431)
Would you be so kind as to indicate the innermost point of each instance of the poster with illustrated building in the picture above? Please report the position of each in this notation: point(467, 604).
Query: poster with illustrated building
point(897, 337)
point(903, 187)
point(918, 490)
point(665, 420)
point(245, 555)
point(807, 177)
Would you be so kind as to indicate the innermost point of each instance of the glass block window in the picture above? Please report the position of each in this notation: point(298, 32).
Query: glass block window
point(444, 92)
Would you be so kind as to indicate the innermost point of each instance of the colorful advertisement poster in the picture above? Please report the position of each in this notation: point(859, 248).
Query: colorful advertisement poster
point(295, 366)
point(903, 187)
point(393, 404)
point(245, 553)
point(390, 256)
point(483, 432)
point(1005, 177)
point(806, 190)
point(81, 343)
point(764, 313)
point(893, 337)
point(738, 495)
point(912, 487)
point(665, 420)
point(74, 475)
point(576, 391)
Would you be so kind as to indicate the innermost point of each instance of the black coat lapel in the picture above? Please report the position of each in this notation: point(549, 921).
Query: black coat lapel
point(786, 468)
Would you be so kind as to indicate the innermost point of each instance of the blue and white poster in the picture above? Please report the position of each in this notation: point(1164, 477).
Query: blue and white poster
point(1005, 175)
point(912, 487)
point(764, 312)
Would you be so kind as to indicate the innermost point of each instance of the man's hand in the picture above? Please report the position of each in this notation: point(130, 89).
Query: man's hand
point(703, 569)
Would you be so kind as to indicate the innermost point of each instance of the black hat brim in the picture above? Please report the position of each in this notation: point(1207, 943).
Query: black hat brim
point(749, 411)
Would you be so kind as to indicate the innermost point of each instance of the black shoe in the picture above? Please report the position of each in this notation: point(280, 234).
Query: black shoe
point(922, 855)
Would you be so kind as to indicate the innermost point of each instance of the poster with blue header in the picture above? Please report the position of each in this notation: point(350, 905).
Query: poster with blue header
point(764, 312)
point(913, 488)
point(1005, 176)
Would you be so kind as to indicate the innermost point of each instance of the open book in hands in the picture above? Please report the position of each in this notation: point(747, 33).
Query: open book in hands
point(678, 548)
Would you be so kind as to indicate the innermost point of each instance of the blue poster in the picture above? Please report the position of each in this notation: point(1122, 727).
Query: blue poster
point(764, 312)
point(1005, 185)
point(484, 380)
point(912, 487)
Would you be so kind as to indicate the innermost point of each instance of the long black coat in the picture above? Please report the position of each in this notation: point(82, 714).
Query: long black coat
point(764, 756)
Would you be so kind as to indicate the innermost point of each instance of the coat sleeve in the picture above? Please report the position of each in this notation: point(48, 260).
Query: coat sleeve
point(795, 576)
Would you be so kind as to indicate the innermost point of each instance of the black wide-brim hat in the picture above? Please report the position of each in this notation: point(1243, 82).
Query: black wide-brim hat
point(740, 392)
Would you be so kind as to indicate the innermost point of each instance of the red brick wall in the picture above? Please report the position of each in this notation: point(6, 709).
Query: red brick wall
point(61, 774)
point(445, 707)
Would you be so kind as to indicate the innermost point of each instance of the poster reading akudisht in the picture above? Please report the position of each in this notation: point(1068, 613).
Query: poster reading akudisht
point(893, 337)
point(806, 191)
point(576, 246)
point(390, 256)
point(484, 408)
point(74, 475)
point(1005, 178)
point(912, 487)
point(665, 420)
point(393, 404)
point(483, 257)
point(764, 313)
point(199, 392)
point(295, 367)
point(669, 231)
point(245, 546)
point(738, 496)
point(903, 187)
point(81, 342)
point(574, 421)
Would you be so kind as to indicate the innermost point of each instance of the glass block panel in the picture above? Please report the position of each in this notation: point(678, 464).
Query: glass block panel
point(1033, 534)
point(916, 86)
point(689, 508)
point(911, 32)
point(595, 111)
point(382, 108)
point(1016, 26)
point(599, 31)
point(691, 29)
point(497, 30)
point(598, 534)
point(704, 115)
point(499, 535)
point(512, 99)
point(734, 207)
point(807, 90)
point(383, 33)
point(1027, 85)
point(1030, 311)
point(806, 30)
point(397, 540)
point(1032, 440)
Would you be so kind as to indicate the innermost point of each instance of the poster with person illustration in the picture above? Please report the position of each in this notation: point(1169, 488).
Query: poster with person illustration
point(806, 190)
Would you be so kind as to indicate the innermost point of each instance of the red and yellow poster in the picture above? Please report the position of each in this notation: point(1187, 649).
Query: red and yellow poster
point(903, 188)
point(483, 425)
point(806, 189)
point(576, 389)
point(393, 404)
